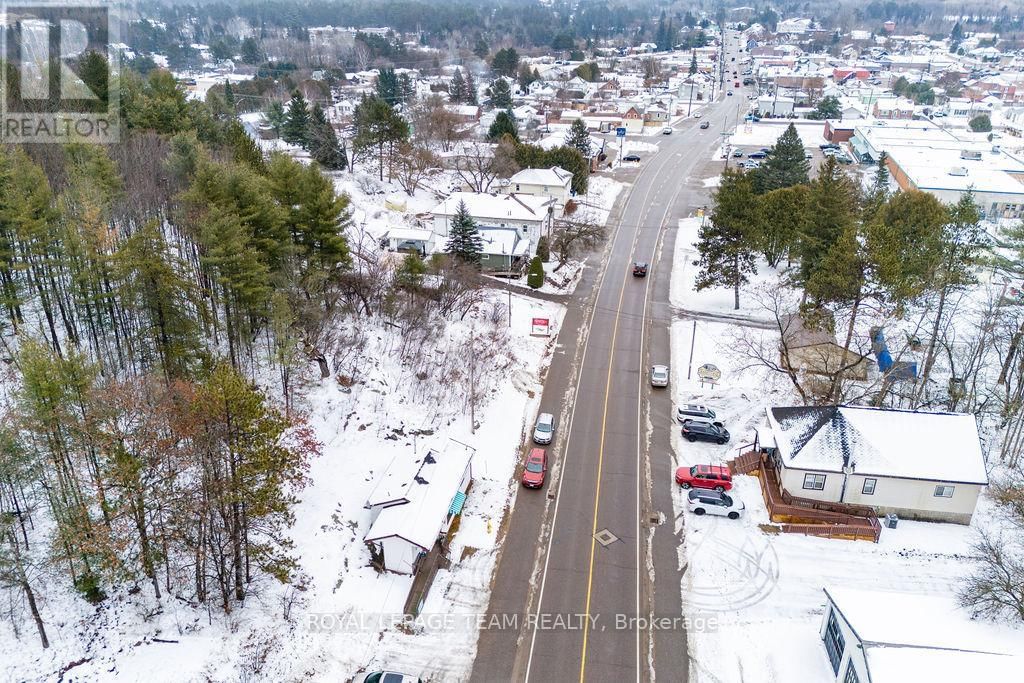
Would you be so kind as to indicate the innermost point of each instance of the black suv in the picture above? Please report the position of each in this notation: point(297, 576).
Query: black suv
point(693, 431)
point(639, 269)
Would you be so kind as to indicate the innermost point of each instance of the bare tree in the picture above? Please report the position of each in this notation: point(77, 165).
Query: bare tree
point(434, 123)
point(457, 288)
point(415, 162)
point(575, 233)
point(996, 588)
point(475, 166)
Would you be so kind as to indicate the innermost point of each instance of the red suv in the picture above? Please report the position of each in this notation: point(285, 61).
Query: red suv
point(715, 477)
point(536, 468)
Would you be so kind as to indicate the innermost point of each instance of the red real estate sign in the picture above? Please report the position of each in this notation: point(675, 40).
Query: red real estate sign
point(540, 327)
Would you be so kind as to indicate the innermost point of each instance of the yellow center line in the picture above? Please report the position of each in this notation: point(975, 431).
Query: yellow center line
point(597, 494)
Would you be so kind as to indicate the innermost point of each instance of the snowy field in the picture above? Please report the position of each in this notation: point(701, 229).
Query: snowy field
point(757, 596)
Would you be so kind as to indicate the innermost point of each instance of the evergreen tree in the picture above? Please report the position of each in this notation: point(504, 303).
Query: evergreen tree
point(457, 92)
point(251, 53)
point(471, 94)
point(296, 127)
point(324, 146)
point(500, 93)
point(229, 96)
point(535, 275)
point(154, 287)
point(578, 137)
point(276, 116)
point(464, 241)
point(693, 62)
point(505, 62)
point(378, 130)
point(785, 166)
point(481, 49)
point(388, 86)
point(726, 247)
point(828, 108)
point(504, 124)
point(832, 211)
point(779, 219)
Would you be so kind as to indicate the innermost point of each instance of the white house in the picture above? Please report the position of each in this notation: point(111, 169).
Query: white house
point(530, 215)
point(553, 183)
point(890, 637)
point(414, 503)
point(926, 466)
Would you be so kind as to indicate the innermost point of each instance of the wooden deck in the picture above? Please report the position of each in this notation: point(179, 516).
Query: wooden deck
point(805, 515)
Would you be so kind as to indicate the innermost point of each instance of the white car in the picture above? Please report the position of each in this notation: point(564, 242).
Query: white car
point(704, 501)
point(544, 430)
point(692, 412)
point(750, 164)
point(667, 130)
point(659, 375)
point(698, 115)
point(387, 677)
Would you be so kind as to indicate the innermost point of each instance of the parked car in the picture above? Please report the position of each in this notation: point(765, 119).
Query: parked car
point(808, 155)
point(667, 130)
point(705, 125)
point(828, 145)
point(536, 468)
point(544, 430)
point(750, 165)
point(639, 269)
point(714, 503)
point(697, 413)
point(717, 477)
point(737, 154)
point(659, 375)
point(729, 93)
point(631, 157)
point(698, 115)
point(757, 155)
point(387, 677)
point(694, 431)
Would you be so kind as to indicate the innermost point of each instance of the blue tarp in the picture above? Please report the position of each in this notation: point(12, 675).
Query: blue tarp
point(457, 502)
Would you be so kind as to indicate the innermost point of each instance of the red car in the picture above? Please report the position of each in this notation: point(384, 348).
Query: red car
point(715, 477)
point(536, 468)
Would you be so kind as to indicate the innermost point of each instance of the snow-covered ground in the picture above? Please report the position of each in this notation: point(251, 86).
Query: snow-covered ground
point(755, 598)
point(345, 616)
point(384, 398)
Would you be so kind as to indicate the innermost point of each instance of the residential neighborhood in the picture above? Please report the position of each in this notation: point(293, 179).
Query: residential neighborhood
point(512, 340)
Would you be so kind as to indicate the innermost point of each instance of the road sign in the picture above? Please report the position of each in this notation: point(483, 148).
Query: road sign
point(709, 372)
point(540, 327)
point(620, 132)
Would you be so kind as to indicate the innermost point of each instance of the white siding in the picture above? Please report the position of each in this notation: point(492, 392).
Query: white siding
point(852, 650)
point(915, 498)
point(792, 481)
point(399, 555)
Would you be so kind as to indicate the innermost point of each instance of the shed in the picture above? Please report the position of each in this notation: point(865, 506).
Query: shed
point(414, 503)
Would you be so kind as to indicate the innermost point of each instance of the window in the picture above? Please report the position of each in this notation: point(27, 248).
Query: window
point(869, 486)
point(834, 643)
point(944, 491)
point(814, 482)
point(851, 674)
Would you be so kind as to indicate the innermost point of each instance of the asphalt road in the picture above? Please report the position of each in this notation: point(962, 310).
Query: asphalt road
point(574, 572)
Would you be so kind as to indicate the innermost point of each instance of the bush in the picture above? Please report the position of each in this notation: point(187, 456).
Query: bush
point(981, 123)
point(543, 249)
point(535, 276)
point(570, 208)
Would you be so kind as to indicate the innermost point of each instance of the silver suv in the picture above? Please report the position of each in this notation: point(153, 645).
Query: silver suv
point(544, 429)
point(691, 412)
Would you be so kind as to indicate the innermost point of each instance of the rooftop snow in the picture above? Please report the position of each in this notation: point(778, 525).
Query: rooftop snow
point(541, 176)
point(429, 492)
point(908, 636)
point(915, 445)
point(517, 207)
